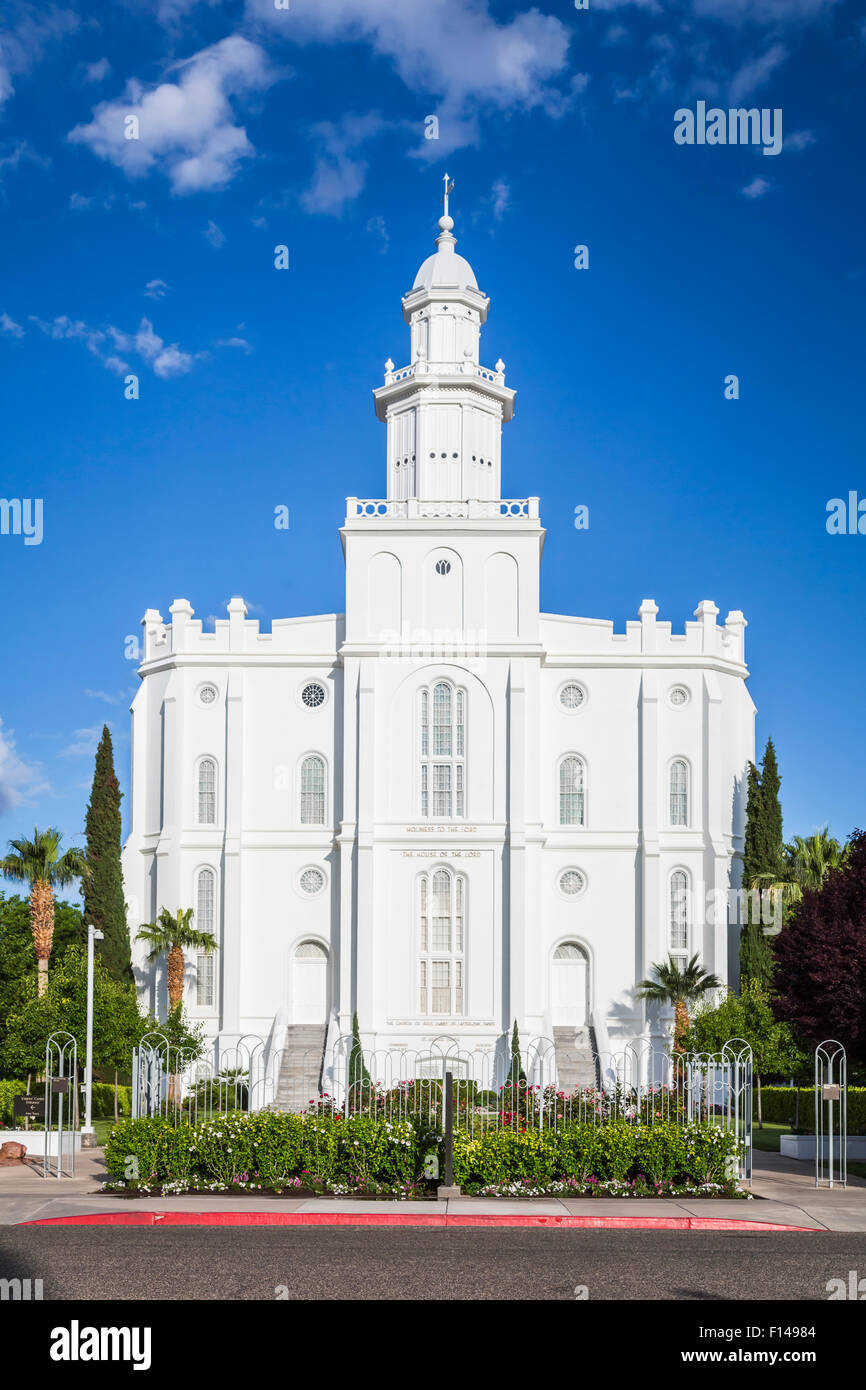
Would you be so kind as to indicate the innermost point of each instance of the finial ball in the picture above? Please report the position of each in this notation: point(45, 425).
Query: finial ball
point(446, 223)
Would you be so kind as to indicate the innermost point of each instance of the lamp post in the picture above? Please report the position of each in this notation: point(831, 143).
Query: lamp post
point(88, 1134)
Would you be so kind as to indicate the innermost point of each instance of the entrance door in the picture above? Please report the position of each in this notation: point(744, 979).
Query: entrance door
point(310, 983)
point(570, 986)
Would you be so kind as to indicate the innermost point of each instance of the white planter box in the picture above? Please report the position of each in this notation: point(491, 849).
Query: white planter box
point(34, 1141)
point(802, 1146)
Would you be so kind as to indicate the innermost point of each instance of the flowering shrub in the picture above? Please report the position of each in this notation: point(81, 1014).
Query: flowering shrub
point(614, 1153)
point(269, 1150)
point(362, 1153)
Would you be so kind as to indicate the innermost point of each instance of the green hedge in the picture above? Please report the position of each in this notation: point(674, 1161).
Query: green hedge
point(8, 1089)
point(779, 1103)
point(360, 1152)
point(102, 1101)
point(662, 1153)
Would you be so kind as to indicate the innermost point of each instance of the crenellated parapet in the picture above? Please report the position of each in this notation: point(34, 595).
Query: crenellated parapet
point(705, 638)
point(237, 635)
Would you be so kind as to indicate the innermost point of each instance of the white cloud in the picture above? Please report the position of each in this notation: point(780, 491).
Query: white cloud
point(97, 72)
point(755, 73)
point(453, 50)
point(377, 227)
point(165, 359)
point(172, 362)
point(84, 743)
point(756, 189)
point(234, 343)
point(9, 326)
point(501, 199)
point(338, 176)
point(23, 42)
point(187, 128)
point(15, 155)
point(155, 289)
point(20, 782)
point(121, 697)
point(799, 140)
point(215, 235)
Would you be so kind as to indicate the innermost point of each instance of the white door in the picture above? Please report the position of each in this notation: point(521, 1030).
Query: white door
point(570, 986)
point(310, 983)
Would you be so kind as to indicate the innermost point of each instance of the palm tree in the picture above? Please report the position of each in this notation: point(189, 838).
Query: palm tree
point(807, 863)
point(40, 863)
point(812, 859)
point(169, 936)
point(680, 987)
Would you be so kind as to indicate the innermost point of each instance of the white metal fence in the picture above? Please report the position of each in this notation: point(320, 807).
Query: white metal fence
point(490, 1089)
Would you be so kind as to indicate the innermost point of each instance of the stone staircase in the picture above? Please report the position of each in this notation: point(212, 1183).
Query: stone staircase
point(575, 1063)
point(301, 1066)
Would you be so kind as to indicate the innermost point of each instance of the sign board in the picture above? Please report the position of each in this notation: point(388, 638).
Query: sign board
point(28, 1107)
point(60, 1086)
point(829, 1092)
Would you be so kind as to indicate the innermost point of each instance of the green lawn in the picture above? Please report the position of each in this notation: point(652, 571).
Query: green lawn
point(767, 1140)
point(103, 1129)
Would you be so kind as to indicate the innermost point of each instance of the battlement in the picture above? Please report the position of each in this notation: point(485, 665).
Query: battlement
point(564, 637)
point(319, 636)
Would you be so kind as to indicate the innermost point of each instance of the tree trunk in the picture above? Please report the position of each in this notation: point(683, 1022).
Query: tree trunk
point(681, 1025)
point(42, 928)
point(797, 1111)
point(760, 1110)
point(175, 969)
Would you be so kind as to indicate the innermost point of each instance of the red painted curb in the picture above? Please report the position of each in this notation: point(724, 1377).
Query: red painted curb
point(345, 1218)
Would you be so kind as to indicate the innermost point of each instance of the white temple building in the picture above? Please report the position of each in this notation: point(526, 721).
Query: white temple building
point(443, 808)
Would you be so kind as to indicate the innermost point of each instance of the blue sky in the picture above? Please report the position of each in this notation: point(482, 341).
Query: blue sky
point(305, 127)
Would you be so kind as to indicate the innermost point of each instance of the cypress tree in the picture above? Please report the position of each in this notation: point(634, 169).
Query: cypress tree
point(763, 853)
point(771, 844)
point(103, 892)
point(358, 1074)
point(517, 1072)
point(751, 858)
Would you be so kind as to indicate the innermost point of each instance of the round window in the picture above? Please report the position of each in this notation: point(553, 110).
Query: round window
point(313, 695)
point(679, 696)
point(572, 882)
point(207, 694)
point(443, 566)
point(312, 881)
point(572, 696)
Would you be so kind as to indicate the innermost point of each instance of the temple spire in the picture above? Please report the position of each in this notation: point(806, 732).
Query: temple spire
point(449, 188)
point(446, 241)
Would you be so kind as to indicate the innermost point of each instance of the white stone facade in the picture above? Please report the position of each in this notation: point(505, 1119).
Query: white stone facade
point(443, 809)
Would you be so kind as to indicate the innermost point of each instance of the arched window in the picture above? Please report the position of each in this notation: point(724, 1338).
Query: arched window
point(313, 790)
point(679, 916)
point(207, 792)
point(679, 786)
point(572, 791)
point(442, 721)
point(311, 950)
point(205, 920)
point(442, 908)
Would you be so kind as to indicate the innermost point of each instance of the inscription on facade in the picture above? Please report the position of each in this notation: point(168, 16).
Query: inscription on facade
point(442, 854)
point(441, 829)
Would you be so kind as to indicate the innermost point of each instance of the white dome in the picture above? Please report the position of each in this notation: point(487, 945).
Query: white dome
point(443, 268)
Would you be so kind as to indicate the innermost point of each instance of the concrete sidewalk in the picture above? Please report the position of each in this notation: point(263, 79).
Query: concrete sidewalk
point(784, 1194)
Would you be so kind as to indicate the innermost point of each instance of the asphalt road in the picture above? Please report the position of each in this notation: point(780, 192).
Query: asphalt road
point(388, 1264)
